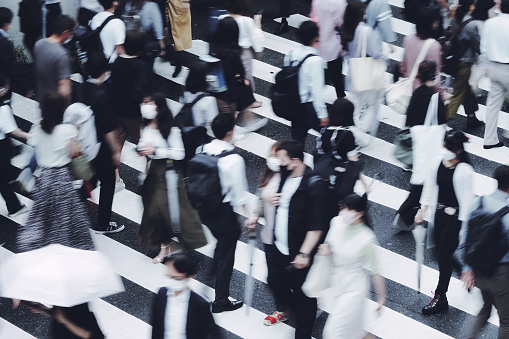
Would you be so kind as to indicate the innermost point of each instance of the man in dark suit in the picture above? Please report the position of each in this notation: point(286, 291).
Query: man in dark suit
point(177, 311)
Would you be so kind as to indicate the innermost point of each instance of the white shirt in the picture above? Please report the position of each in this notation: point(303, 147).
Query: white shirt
point(52, 150)
point(281, 227)
point(204, 110)
point(249, 34)
point(7, 122)
point(232, 172)
point(92, 5)
point(495, 39)
point(113, 33)
point(4, 33)
point(175, 317)
point(173, 148)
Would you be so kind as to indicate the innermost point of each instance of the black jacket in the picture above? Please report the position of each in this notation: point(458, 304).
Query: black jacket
point(200, 323)
point(418, 107)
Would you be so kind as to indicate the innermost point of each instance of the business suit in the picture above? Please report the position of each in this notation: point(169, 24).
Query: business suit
point(200, 323)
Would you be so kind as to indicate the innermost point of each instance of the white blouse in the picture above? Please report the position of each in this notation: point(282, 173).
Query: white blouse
point(52, 150)
point(249, 34)
point(173, 148)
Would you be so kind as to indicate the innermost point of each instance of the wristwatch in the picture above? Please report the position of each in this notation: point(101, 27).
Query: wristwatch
point(304, 255)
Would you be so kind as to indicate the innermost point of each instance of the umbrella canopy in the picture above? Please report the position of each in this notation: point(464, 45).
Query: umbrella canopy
point(419, 234)
point(58, 275)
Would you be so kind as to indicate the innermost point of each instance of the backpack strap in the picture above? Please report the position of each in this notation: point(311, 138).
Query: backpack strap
point(503, 211)
point(105, 22)
point(302, 61)
point(335, 143)
point(420, 58)
point(460, 28)
point(198, 98)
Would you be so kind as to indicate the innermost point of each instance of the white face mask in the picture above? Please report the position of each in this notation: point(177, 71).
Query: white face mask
point(348, 216)
point(448, 155)
point(176, 285)
point(148, 111)
point(273, 164)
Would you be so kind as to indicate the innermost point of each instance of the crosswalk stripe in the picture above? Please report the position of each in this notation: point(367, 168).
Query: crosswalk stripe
point(8, 330)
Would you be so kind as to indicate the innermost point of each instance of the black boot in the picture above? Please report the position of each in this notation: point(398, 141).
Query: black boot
point(437, 304)
point(283, 27)
point(175, 58)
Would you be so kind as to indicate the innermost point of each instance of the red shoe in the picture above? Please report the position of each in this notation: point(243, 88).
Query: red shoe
point(275, 318)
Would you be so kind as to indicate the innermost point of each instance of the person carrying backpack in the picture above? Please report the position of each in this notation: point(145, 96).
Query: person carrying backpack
point(495, 286)
point(113, 35)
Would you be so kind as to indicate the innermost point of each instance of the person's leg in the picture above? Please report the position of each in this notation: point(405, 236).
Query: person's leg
point(305, 307)
point(499, 287)
point(11, 200)
point(299, 128)
point(334, 73)
point(285, 9)
point(105, 172)
point(446, 245)
point(472, 329)
point(369, 119)
point(460, 89)
point(496, 98)
point(409, 208)
point(277, 278)
point(224, 255)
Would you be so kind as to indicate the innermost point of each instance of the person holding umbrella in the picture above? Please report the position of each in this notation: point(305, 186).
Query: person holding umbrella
point(448, 191)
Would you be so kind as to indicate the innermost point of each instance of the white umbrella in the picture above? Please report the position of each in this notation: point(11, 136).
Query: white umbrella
point(58, 275)
point(249, 284)
point(419, 233)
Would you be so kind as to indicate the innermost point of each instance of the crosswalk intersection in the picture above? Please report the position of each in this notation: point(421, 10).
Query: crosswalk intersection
point(127, 315)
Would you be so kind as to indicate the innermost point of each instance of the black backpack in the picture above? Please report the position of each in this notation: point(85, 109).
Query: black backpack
point(30, 16)
point(203, 185)
point(451, 49)
point(86, 47)
point(284, 94)
point(486, 241)
point(193, 136)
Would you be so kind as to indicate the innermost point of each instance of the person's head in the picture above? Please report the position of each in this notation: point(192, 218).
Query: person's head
point(227, 34)
point(354, 210)
point(501, 175)
point(180, 268)
point(156, 107)
point(197, 77)
point(504, 6)
point(5, 18)
point(272, 165)
point(481, 11)
point(222, 126)
point(291, 154)
point(242, 7)
point(308, 34)
point(341, 113)
point(464, 7)
point(354, 14)
point(426, 23)
point(63, 28)
point(134, 43)
point(52, 106)
point(109, 5)
point(454, 146)
point(427, 71)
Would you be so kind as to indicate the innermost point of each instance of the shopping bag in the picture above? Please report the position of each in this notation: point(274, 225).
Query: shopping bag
point(319, 276)
point(81, 168)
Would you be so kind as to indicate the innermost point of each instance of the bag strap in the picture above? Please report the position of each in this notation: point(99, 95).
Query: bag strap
point(420, 58)
point(460, 28)
point(105, 22)
point(333, 143)
point(432, 113)
point(503, 211)
point(198, 98)
point(302, 61)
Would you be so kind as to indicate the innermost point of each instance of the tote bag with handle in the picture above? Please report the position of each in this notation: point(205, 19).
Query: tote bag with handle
point(398, 94)
point(367, 73)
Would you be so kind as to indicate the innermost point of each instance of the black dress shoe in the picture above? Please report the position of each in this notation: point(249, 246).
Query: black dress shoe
point(500, 144)
point(473, 122)
point(283, 27)
point(230, 306)
point(437, 305)
point(177, 71)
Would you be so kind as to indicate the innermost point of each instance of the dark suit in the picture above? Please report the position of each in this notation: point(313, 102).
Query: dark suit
point(200, 323)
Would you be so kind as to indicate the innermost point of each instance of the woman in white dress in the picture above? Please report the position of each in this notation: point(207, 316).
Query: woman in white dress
point(353, 246)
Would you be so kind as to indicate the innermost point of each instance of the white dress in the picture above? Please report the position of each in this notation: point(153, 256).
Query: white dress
point(353, 261)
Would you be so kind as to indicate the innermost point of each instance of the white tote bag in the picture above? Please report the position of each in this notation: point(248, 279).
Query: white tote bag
point(367, 73)
point(398, 94)
point(319, 276)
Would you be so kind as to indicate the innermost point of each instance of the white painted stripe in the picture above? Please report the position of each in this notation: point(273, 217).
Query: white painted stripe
point(8, 330)
point(397, 3)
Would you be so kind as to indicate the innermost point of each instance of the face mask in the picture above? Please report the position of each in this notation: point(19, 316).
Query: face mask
point(148, 111)
point(273, 164)
point(348, 216)
point(176, 285)
point(448, 155)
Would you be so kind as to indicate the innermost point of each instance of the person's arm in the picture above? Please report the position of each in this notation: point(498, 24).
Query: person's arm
point(19, 135)
point(119, 49)
point(374, 48)
point(257, 37)
point(73, 328)
point(310, 242)
point(65, 88)
point(315, 69)
point(384, 23)
point(474, 37)
point(379, 285)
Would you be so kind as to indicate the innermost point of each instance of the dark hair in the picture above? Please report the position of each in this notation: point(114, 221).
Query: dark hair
point(360, 204)
point(294, 149)
point(454, 142)
point(222, 124)
point(341, 113)
point(4, 79)
point(5, 16)
point(424, 23)
point(134, 43)
point(462, 9)
point(183, 263)
point(97, 66)
point(164, 116)
point(107, 4)
point(354, 14)
point(63, 23)
point(267, 172)
point(501, 175)
point(242, 7)
point(481, 11)
point(308, 31)
point(504, 6)
point(427, 71)
point(227, 35)
point(197, 77)
point(53, 106)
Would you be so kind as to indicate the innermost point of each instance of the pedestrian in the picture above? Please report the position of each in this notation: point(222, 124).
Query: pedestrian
point(285, 9)
point(447, 196)
point(300, 222)
point(8, 129)
point(469, 40)
point(58, 215)
point(313, 112)
point(353, 247)
point(367, 103)
point(328, 15)
point(74, 322)
point(494, 288)
point(177, 311)
point(379, 17)
point(178, 16)
point(97, 95)
point(52, 60)
point(114, 33)
point(416, 116)
point(496, 52)
point(87, 10)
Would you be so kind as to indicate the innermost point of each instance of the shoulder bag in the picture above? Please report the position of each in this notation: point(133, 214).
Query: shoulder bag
point(319, 276)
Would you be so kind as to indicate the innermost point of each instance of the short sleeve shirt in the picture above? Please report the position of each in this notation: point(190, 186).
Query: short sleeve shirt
point(7, 122)
point(52, 64)
point(113, 34)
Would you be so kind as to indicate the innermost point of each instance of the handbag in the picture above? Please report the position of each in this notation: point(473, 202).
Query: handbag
point(367, 73)
point(81, 168)
point(398, 94)
point(318, 278)
point(403, 150)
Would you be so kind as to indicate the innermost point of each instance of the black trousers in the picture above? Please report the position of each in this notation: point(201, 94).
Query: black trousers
point(411, 205)
point(447, 230)
point(334, 74)
point(285, 8)
point(303, 121)
point(105, 172)
point(11, 200)
point(226, 229)
point(286, 288)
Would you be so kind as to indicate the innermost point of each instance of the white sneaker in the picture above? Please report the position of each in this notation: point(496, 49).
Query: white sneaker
point(22, 210)
point(119, 186)
point(255, 125)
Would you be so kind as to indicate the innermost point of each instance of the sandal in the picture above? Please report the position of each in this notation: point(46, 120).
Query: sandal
point(275, 318)
point(158, 259)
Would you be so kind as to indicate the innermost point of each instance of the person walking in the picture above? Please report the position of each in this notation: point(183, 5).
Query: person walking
point(494, 289)
point(178, 16)
point(58, 215)
point(353, 246)
point(113, 34)
point(447, 196)
point(378, 16)
point(496, 51)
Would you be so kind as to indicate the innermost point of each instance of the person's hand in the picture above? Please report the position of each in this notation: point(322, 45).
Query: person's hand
point(273, 199)
point(15, 303)
point(146, 150)
point(29, 94)
point(300, 262)
point(74, 149)
point(163, 48)
point(250, 224)
point(468, 279)
point(116, 159)
point(324, 122)
point(324, 249)
point(59, 316)
point(258, 20)
point(418, 218)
